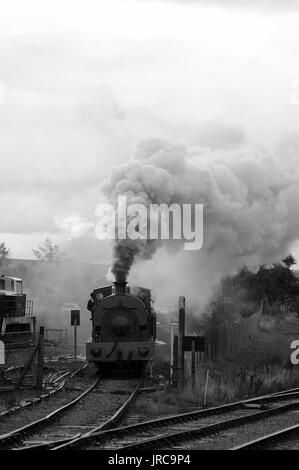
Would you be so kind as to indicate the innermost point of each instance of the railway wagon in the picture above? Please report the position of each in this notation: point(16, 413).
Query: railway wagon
point(17, 323)
point(123, 326)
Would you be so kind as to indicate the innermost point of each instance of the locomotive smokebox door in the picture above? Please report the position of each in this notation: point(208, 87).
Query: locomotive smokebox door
point(75, 317)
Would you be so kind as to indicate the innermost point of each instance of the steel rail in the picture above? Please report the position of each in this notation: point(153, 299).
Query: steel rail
point(273, 438)
point(204, 431)
point(75, 441)
point(68, 375)
point(104, 434)
point(115, 419)
point(16, 435)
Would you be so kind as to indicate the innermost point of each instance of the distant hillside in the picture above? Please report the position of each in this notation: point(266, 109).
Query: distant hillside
point(95, 272)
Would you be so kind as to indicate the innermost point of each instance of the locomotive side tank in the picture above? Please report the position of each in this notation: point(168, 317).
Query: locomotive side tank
point(123, 326)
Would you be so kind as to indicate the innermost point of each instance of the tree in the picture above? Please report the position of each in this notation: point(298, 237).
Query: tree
point(4, 255)
point(289, 261)
point(49, 252)
point(278, 282)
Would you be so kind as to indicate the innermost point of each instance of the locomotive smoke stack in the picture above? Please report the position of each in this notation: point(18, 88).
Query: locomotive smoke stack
point(120, 287)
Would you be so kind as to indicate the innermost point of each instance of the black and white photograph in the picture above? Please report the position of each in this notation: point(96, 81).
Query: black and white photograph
point(149, 228)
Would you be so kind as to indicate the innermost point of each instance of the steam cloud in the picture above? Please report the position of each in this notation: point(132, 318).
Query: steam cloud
point(249, 197)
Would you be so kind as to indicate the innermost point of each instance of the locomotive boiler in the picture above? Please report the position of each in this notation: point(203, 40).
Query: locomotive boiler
point(123, 326)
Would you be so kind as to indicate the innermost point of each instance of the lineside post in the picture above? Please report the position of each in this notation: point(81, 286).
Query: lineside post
point(193, 365)
point(75, 322)
point(206, 388)
point(40, 359)
point(75, 339)
point(181, 365)
point(173, 359)
point(174, 381)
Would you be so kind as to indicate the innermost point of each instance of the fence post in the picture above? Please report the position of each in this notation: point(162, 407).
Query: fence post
point(175, 361)
point(206, 388)
point(181, 339)
point(173, 324)
point(193, 365)
point(40, 359)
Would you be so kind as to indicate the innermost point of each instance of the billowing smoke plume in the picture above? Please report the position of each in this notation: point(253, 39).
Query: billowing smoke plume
point(123, 258)
point(250, 198)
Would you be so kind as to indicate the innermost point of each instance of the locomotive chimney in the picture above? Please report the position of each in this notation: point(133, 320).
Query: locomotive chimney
point(120, 287)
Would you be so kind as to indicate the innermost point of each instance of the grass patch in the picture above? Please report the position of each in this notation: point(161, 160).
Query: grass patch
point(244, 383)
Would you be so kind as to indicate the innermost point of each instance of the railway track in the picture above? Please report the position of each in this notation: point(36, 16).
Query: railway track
point(64, 423)
point(284, 439)
point(12, 374)
point(53, 382)
point(180, 429)
point(20, 436)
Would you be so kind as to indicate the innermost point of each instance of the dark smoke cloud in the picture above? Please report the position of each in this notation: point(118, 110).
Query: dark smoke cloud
point(123, 257)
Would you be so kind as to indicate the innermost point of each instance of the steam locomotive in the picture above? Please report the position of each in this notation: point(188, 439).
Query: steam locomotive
point(123, 326)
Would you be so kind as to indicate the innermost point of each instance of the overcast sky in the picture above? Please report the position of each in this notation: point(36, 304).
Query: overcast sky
point(82, 82)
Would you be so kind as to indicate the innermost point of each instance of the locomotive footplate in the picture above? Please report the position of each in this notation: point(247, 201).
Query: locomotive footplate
point(118, 351)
